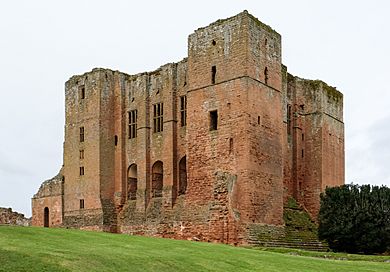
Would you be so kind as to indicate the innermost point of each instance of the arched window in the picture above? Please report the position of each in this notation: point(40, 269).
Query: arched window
point(182, 176)
point(46, 217)
point(157, 179)
point(266, 75)
point(132, 182)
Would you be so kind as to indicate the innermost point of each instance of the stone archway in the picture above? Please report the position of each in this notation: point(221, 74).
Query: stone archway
point(132, 182)
point(157, 179)
point(182, 176)
point(46, 219)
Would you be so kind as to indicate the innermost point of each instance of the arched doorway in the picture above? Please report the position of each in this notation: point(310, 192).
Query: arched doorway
point(132, 182)
point(157, 179)
point(46, 217)
point(182, 176)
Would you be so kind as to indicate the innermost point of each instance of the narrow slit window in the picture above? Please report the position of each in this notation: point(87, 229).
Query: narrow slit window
point(213, 74)
point(116, 140)
point(82, 92)
point(183, 111)
point(133, 116)
point(81, 154)
point(158, 117)
point(266, 75)
point(81, 170)
point(81, 134)
point(230, 145)
point(258, 120)
point(288, 120)
point(213, 120)
point(82, 203)
point(302, 153)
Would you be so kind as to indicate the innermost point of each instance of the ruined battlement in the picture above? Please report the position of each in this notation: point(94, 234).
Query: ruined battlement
point(208, 148)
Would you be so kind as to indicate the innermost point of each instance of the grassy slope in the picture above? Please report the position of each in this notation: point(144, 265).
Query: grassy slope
point(39, 249)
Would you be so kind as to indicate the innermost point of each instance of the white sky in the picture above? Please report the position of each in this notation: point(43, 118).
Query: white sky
point(43, 43)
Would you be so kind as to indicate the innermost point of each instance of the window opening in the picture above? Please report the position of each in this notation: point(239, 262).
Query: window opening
point(183, 110)
point(213, 74)
point(157, 179)
point(81, 134)
point(182, 176)
point(213, 120)
point(158, 113)
point(132, 182)
point(133, 116)
point(266, 75)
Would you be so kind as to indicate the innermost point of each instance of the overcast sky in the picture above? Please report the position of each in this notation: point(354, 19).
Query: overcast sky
point(43, 43)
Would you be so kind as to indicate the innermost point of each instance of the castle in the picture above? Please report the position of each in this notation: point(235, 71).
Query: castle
point(209, 148)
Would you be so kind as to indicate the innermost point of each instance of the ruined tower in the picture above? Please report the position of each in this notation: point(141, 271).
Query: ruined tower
point(209, 148)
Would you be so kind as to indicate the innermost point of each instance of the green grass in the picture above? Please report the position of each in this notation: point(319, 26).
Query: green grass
point(39, 249)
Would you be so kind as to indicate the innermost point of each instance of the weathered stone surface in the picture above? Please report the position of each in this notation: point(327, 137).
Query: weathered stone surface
point(254, 135)
point(8, 217)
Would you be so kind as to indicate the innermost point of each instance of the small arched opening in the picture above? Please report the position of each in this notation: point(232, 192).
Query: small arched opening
point(132, 182)
point(182, 176)
point(46, 217)
point(157, 179)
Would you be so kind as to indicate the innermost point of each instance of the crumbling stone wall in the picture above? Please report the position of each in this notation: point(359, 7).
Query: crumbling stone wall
point(50, 198)
point(9, 217)
point(253, 135)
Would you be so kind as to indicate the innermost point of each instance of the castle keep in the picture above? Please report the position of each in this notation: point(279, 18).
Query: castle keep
point(209, 148)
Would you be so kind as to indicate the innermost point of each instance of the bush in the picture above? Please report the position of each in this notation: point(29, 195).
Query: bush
point(356, 219)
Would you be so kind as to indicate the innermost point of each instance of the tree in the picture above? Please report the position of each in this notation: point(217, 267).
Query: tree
point(356, 219)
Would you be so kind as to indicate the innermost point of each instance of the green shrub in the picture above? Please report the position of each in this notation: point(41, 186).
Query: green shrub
point(356, 219)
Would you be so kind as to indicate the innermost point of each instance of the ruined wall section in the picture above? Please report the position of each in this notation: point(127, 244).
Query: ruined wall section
point(50, 196)
point(319, 161)
point(288, 89)
point(263, 191)
point(9, 217)
point(83, 113)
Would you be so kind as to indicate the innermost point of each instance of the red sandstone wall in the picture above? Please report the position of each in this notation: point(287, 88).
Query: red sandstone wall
point(237, 175)
point(49, 196)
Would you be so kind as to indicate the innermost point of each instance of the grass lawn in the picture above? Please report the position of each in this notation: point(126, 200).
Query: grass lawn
point(42, 249)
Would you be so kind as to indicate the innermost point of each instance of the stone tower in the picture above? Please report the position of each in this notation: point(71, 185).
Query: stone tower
point(209, 148)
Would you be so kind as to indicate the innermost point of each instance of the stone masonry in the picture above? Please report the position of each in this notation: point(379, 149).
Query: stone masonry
point(209, 148)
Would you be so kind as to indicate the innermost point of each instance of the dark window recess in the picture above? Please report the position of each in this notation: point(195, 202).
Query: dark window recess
point(133, 115)
point(230, 145)
point(288, 120)
point(81, 203)
point(116, 140)
point(82, 154)
point(266, 75)
point(158, 113)
point(183, 110)
point(303, 137)
point(157, 179)
point(213, 120)
point(81, 170)
point(214, 43)
point(182, 176)
point(302, 153)
point(213, 74)
point(132, 182)
point(82, 92)
point(81, 134)
point(258, 120)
